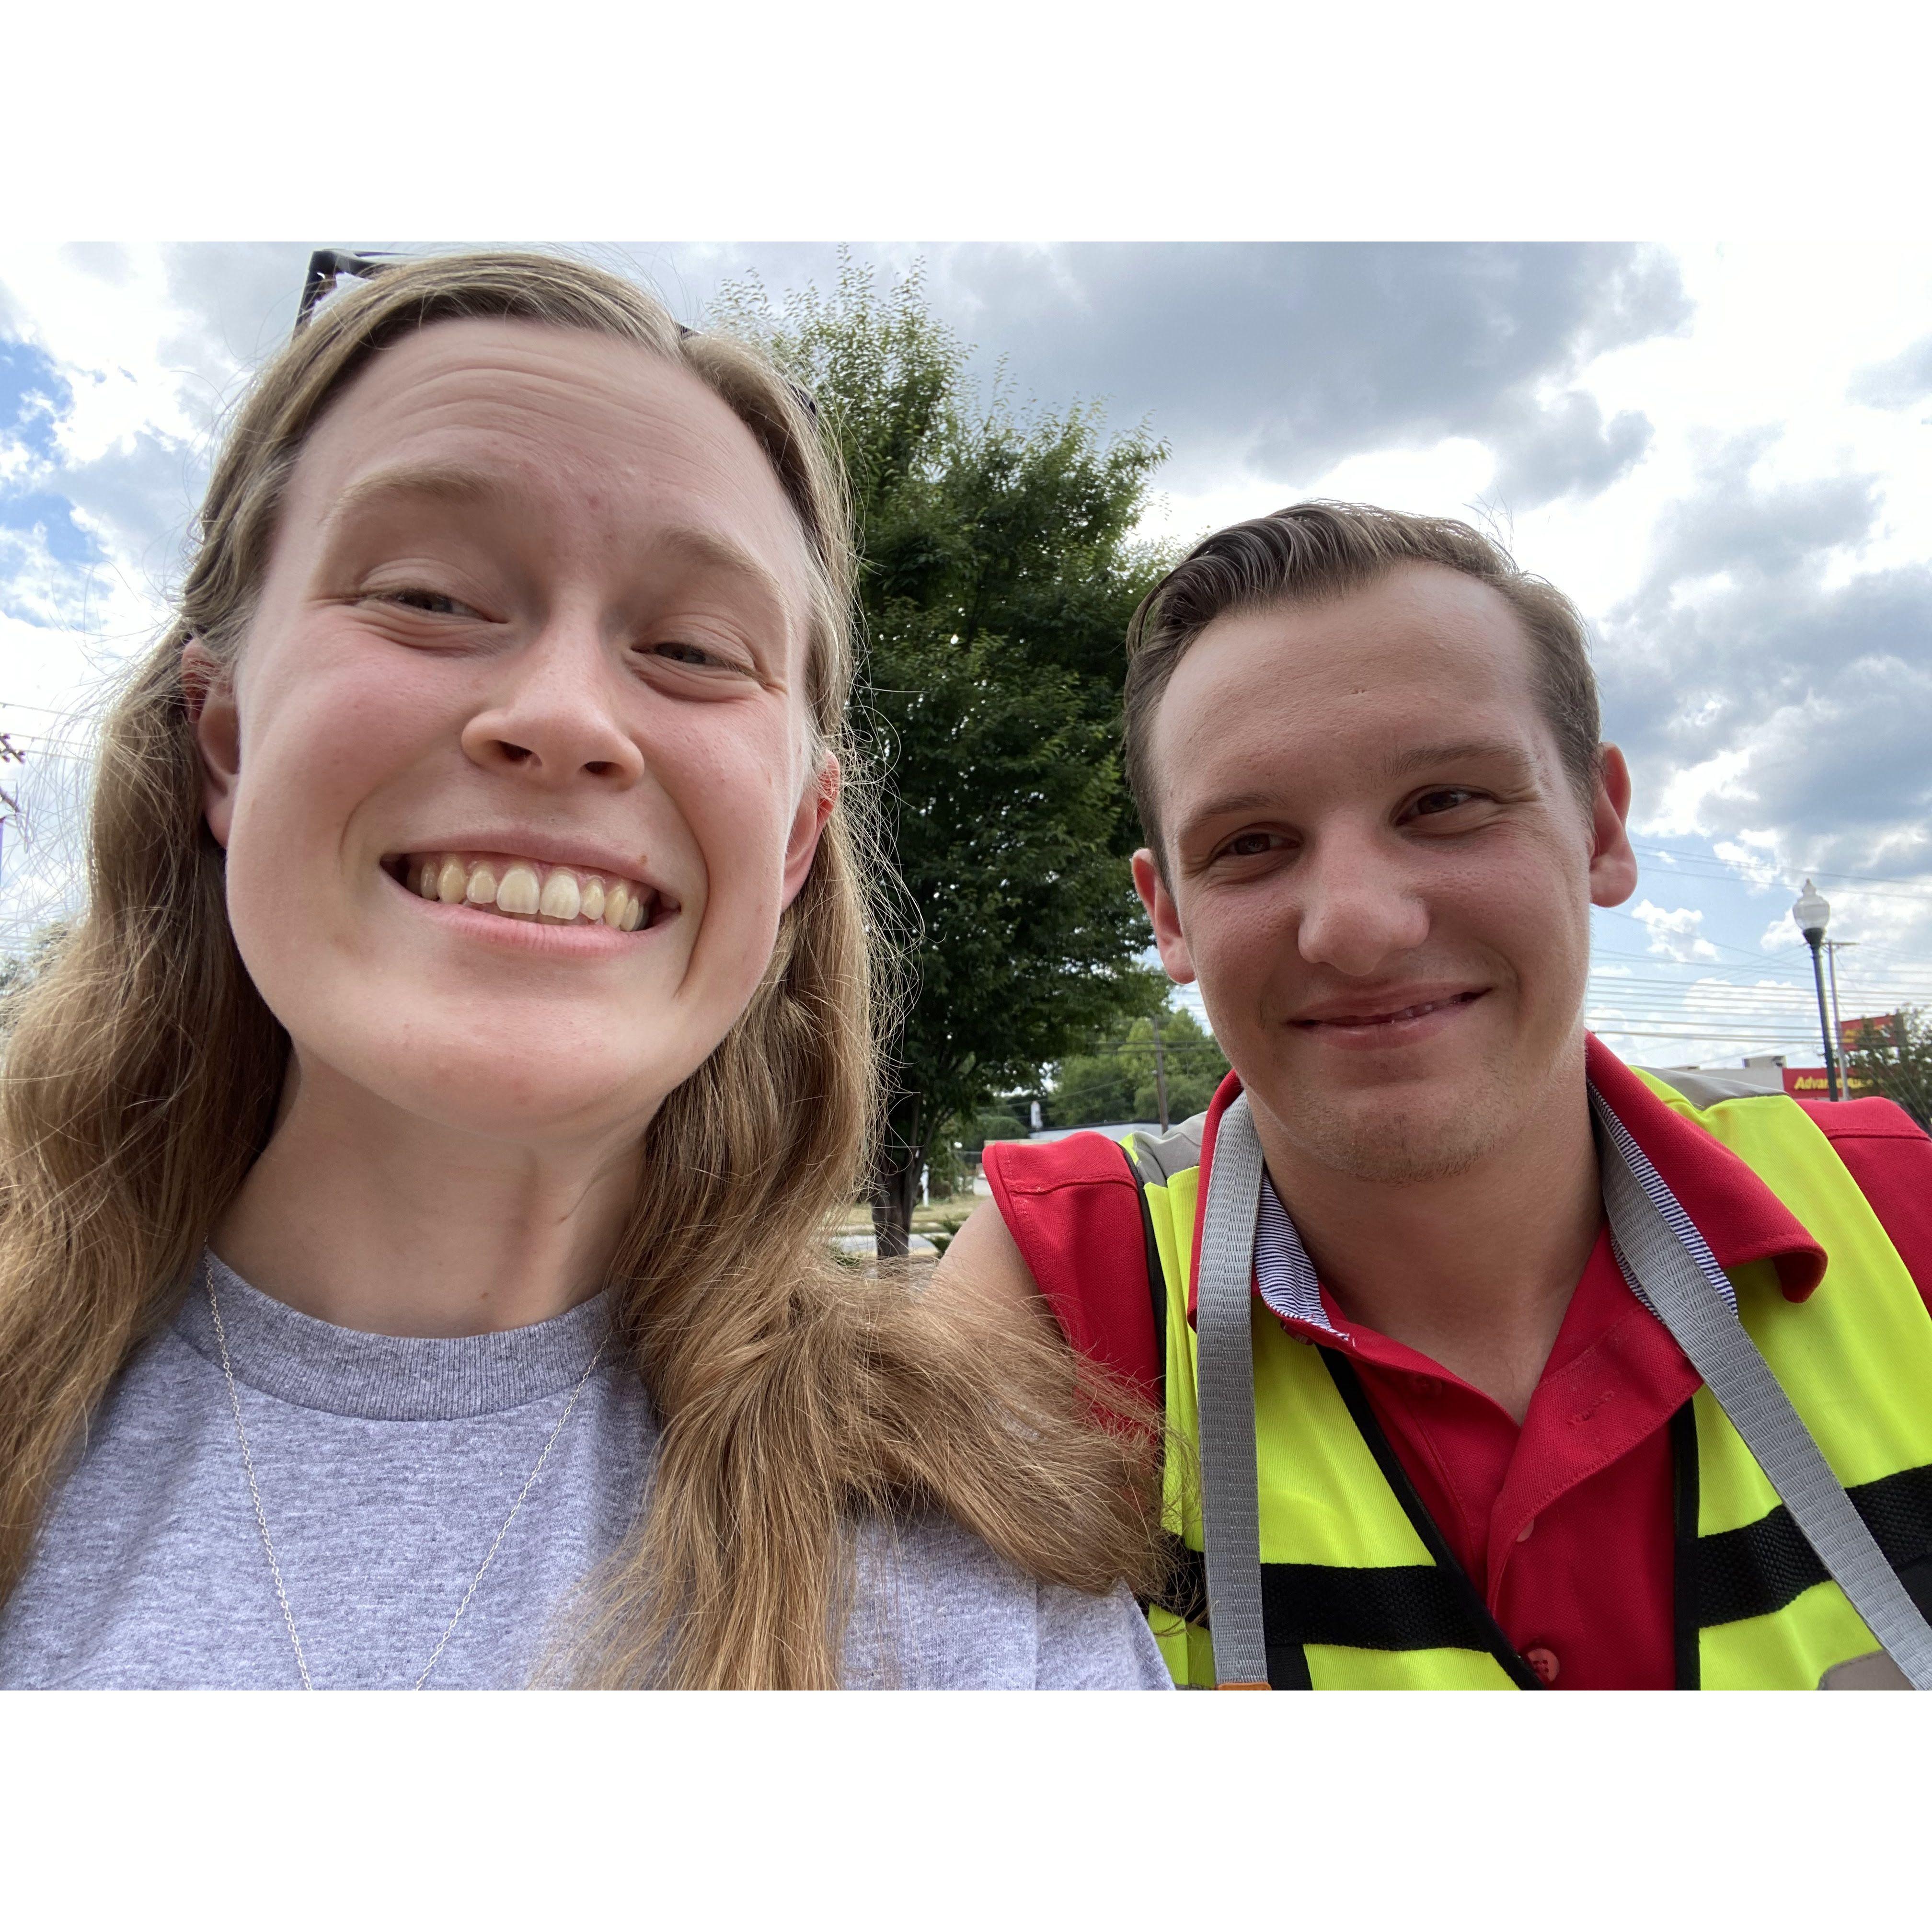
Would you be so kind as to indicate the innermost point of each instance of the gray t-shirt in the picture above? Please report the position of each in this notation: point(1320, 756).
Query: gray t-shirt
point(386, 1465)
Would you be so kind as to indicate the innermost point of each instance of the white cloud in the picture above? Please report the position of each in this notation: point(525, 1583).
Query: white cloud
point(1681, 809)
point(111, 326)
point(1754, 854)
point(1673, 935)
point(1781, 935)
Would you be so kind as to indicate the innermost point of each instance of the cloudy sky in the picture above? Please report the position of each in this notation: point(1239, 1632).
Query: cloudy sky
point(1721, 452)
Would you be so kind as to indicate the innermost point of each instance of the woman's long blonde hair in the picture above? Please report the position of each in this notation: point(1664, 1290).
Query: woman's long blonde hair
point(795, 1397)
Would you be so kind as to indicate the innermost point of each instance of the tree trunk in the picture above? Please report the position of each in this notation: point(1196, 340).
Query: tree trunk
point(895, 1171)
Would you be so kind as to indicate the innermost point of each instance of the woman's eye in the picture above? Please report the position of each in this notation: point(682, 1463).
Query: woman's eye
point(697, 657)
point(431, 603)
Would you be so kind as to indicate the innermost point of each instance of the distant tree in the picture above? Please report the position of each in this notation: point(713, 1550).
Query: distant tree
point(999, 568)
point(19, 970)
point(1195, 1066)
point(1900, 1067)
point(1091, 1089)
point(995, 1126)
point(1115, 1079)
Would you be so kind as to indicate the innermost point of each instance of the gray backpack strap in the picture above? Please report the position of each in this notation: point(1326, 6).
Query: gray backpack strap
point(1230, 1504)
point(1672, 1269)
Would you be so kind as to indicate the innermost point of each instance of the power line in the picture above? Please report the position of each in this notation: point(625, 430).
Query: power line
point(1736, 868)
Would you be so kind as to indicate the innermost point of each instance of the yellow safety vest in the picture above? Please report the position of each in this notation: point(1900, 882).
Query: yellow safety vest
point(1359, 1591)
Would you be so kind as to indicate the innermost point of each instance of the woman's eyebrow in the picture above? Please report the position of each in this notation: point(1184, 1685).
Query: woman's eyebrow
point(709, 551)
point(456, 484)
point(448, 483)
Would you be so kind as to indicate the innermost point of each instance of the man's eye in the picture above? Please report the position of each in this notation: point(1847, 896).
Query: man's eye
point(1448, 800)
point(1249, 845)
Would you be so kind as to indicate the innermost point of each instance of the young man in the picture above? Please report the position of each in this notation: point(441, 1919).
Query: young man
point(1365, 749)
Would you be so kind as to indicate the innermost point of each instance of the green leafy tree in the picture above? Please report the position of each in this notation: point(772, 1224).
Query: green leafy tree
point(1899, 1067)
point(992, 1125)
point(999, 568)
point(1091, 1088)
point(1119, 1079)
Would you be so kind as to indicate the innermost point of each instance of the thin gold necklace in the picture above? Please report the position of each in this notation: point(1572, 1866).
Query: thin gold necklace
point(262, 1520)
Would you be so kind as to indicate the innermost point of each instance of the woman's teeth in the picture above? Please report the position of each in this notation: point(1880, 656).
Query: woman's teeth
point(558, 895)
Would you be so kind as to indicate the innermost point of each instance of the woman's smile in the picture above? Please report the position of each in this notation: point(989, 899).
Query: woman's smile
point(531, 907)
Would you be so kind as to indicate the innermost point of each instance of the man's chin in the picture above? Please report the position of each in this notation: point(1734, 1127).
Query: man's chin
point(1397, 1146)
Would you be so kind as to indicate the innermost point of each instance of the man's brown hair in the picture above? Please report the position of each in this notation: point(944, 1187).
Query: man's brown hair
point(1316, 552)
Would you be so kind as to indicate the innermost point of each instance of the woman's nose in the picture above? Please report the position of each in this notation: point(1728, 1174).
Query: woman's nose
point(1360, 911)
point(556, 716)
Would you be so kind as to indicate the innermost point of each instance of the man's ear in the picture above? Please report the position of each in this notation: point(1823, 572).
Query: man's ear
point(807, 823)
point(1612, 863)
point(1167, 936)
point(209, 693)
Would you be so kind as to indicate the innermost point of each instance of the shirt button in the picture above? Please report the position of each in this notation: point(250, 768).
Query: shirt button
point(1423, 1385)
point(1522, 1534)
point(1542, 1659)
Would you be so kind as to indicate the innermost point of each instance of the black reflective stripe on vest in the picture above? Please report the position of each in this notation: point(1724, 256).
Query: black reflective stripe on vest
point(1156, 1279)
point(1185, 1594)
point(1684, 1593)
point(1392, 1607)
point(1476, 1629)
point(1395, 1607)
point(1758, 1569)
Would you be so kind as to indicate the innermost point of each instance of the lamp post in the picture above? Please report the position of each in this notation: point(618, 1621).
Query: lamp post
point(1811, 912)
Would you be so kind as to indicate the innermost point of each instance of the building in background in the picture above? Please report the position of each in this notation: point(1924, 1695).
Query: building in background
point(1767, 1073)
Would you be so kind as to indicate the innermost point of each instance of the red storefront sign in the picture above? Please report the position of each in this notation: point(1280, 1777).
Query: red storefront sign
point(1808, 1083)
point(1880, 1030)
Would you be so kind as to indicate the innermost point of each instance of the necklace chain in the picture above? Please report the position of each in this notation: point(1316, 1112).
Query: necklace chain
point(262, 1520)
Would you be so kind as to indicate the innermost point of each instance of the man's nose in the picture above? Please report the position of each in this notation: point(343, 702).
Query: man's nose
point(556, 714)
point(1361, 908)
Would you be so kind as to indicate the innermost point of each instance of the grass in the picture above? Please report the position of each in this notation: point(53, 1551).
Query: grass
point(944, 1216)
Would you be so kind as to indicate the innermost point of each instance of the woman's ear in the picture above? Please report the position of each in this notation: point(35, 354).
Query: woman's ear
point(209, 693)
point(807, 823)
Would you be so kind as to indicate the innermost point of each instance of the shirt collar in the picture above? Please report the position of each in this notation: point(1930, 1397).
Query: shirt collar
point(1740, 1218)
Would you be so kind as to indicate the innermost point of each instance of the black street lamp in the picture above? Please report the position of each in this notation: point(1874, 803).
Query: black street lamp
point(1811, 913)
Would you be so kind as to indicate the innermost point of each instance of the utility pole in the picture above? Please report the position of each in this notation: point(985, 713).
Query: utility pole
point(1833, 947)
point(1160, 1073)
point(10, 808)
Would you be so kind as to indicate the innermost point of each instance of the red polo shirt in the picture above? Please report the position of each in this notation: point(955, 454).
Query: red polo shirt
point(1565, 1524)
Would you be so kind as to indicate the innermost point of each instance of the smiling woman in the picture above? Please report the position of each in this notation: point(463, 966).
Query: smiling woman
point(469, 1038)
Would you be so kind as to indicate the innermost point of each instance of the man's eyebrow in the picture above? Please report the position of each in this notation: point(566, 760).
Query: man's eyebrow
point(1226, 805)
point(1460, 751)
point(1397, 765)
